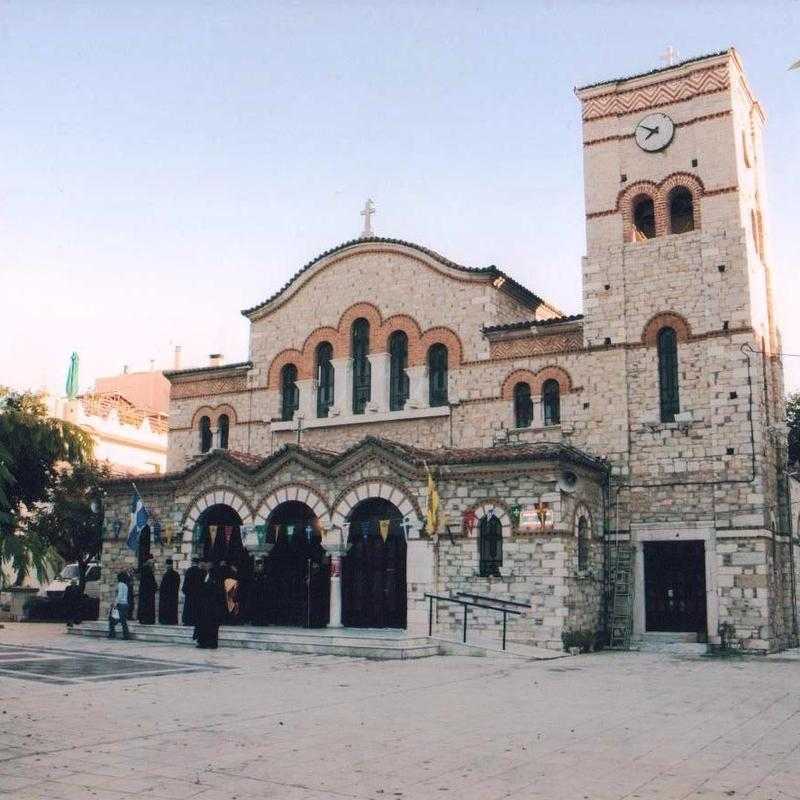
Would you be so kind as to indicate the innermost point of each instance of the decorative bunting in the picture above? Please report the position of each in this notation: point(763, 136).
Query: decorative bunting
point(261, 534)
point(155, 529)
point(407, 525)
point(365, 526)
point(383, 527)
point(169, 533)
point(432, 505)
point(309, 530)
point(212, 533)
point(228, 533)
point(289, 531)
point(197, 533)
point(515, 512)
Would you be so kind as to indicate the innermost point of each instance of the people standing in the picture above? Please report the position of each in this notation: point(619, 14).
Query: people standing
point(192, 583)
point(71, 603)
point(211, 610)
point(120, 606)
point(147, 593)
point(168, 596)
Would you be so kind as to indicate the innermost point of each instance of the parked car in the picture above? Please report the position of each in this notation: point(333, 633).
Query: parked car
point(55, 588)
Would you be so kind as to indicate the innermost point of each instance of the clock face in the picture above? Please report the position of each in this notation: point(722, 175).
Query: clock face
point(654, 132)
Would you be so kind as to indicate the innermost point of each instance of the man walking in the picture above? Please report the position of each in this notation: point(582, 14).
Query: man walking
point(119, 609)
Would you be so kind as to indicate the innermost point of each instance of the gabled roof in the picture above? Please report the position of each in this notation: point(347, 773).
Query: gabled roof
point(490, 273)
point(191, 372)
point(326, 460)
point(527, 324)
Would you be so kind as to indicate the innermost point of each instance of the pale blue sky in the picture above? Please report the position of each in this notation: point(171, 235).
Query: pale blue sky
point(165, 164)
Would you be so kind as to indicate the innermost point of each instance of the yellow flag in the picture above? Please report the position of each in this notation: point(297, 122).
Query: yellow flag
point(432, 505)
point(383, 527)
point(212, 533)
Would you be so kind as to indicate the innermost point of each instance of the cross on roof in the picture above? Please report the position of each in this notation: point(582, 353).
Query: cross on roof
point(369, 210)
point(669, 56)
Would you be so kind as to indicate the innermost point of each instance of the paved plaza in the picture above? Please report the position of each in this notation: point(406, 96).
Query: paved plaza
point(97, 719)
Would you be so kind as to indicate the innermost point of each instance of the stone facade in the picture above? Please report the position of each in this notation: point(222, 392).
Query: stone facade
point(713, 472)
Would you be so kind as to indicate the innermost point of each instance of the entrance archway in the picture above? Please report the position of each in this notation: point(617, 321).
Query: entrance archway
point(297, 569)
point(374, 568)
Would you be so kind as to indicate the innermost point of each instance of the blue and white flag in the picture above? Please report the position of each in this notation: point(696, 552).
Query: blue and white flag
point(139, 517)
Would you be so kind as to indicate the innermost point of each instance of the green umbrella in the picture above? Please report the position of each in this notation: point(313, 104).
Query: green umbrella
point(72, 377)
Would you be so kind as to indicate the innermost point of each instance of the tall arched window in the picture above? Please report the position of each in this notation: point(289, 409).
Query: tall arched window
point(437, 375)
point(644, 218)
point(290, 399)
point(681, 210)
point(359, 340)
point(523, 405)
point(398, 361)
point(669, 396)
point(324, 378)
point(583, 544)
point(205, 434)
point(551, 400)
point(490, 547)
point(223, 430)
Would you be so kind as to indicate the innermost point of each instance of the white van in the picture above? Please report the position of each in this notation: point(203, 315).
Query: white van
point(55, 588)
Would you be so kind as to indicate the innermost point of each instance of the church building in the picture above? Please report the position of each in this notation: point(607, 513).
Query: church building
point(619, 472)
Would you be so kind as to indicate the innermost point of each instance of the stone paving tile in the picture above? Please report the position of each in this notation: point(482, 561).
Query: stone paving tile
point(600, 727)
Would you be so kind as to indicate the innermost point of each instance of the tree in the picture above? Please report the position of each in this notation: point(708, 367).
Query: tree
point(32, 448)
point(793, 421)
point(71, 521)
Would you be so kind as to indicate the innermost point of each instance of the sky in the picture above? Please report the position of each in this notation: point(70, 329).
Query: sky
point(164, 165)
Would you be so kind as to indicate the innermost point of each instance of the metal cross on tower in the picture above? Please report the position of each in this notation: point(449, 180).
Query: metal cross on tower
point(670, 56)
point(369, 210)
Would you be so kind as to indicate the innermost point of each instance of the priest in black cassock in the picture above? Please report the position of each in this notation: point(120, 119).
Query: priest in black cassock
point(210, 610)
point(168, 596)
point(147, 594)
point(192, 582)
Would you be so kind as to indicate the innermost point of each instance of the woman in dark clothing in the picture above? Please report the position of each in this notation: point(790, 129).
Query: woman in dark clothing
point(210, 610)
point(147, 594)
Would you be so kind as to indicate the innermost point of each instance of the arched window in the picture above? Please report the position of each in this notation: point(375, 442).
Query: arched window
point(551, 400)
point(290, 399)
point(223, 429)
point(359, 348)
point(644, 218)
point(583, 544)
point(681, 210)
point(205, 434)
point(398, 361)
point(324, 378)
point(523, 406)
point(669, 397)
point(490, 546)
point(437, 375)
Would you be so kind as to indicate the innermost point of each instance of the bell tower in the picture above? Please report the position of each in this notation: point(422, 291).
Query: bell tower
point(674, 191)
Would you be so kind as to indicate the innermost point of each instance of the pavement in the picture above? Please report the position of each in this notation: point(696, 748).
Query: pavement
point(82, 718)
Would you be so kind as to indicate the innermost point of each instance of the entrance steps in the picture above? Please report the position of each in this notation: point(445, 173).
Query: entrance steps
point(669, 642)
point(374, 643)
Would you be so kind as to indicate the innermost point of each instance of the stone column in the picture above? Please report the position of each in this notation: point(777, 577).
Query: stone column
point(342, 387)
point(334, 545)
point(307, 407)
point(417, 386)
point(639, 620)
point(421, 572)
point(379, 366)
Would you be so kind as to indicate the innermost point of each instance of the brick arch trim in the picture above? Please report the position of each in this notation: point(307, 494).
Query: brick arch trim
point(366, 489)
point(218, 495)
point(536, 380)
point(368, 311)
point(666, 319)
point(517, 376)
point(445, 336)
point(481, 510)
point(283, 358)
point(295, 491)
point(213, 414)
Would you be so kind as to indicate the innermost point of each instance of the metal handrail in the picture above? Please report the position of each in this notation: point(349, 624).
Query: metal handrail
point(494, 599)
point(466, 604)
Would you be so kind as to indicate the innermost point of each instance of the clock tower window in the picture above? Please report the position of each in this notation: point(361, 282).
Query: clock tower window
point(644, 218)
point(681, 210)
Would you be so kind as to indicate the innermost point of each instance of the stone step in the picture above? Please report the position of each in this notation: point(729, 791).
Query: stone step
point(323, 642)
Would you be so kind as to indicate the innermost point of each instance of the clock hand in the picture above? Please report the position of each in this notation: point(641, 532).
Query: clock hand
point(652, 131)
point(648, 129)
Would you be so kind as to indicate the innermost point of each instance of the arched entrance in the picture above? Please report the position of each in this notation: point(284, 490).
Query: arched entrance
point(297, 569)
point(219, 539)
point(374, 568)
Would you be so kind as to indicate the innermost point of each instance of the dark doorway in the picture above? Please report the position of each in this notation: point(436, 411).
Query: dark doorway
point(675, 586)
point(374, 569)
point(297, 569)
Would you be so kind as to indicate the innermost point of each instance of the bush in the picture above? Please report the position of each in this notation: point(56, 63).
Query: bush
point(51, 609)
point(584, 640)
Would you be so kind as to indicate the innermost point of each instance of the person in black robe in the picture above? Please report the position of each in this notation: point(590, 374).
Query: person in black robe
point(147, 594)
point(71, 603)
point(168, 596)
point(192, 582)
point(258, 600)
point(210, 610)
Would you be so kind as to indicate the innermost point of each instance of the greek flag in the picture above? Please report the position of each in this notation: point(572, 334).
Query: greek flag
point(139, 517)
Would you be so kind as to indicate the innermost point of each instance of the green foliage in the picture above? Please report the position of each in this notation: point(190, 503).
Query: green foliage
point(67, 521)
point(33, 447)
point(584, 640)
point(793, 421)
